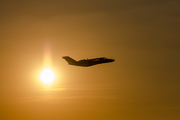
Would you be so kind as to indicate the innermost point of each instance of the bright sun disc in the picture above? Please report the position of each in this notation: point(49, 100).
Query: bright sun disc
point(47, 76)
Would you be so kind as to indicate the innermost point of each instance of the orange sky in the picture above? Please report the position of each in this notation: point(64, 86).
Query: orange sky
point(142, 36)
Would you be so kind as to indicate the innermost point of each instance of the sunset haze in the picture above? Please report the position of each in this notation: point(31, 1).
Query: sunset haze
point(143, 83)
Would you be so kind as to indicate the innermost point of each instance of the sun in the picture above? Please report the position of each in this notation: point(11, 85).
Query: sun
point(47, 76)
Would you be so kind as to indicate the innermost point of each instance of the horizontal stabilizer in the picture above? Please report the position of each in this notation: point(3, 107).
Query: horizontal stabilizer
point(70, 60)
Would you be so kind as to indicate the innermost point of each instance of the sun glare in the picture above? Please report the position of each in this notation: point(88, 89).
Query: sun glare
point(47, 76)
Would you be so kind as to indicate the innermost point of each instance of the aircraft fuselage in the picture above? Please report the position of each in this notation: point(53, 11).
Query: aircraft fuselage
point(87, 62)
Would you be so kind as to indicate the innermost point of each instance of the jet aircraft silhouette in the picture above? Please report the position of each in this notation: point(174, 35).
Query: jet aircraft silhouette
point(87, 62)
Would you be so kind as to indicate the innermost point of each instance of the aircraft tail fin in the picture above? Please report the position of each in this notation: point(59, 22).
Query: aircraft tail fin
point(70, 60)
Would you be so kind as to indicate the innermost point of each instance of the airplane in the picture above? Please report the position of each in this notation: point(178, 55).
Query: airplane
point(87, 62)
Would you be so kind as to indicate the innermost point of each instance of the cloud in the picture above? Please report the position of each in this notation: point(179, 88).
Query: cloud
point(55, 89)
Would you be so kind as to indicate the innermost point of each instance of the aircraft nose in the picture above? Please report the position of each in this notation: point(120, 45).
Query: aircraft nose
point(112, 60)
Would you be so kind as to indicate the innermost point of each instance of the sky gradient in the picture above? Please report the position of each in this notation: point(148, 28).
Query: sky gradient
point(142, 36)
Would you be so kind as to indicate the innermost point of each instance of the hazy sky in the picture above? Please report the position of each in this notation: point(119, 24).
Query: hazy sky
point(142, 36)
